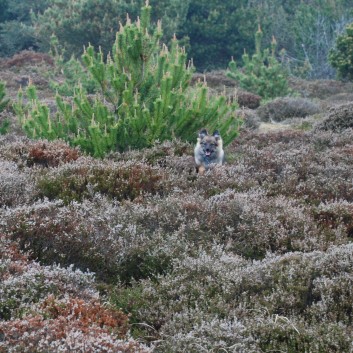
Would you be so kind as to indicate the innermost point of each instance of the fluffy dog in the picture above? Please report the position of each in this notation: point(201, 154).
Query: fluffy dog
point(208, 151)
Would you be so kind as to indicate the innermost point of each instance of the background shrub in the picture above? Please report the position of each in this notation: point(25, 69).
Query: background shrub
point(250, 118)
point(16, 32)
point(213, 30)
point(284, 108)
point(27, 153)
point(78, 23)
point(341, 56)
point(248, 100)
point(338, 119)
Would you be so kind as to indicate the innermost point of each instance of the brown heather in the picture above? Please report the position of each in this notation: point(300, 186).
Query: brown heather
point(287, 107)
point(254, 256)
point(339, 118)
point(28, 57)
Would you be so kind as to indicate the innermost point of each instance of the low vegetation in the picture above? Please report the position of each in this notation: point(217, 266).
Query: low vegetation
point(134, 251)
point(249, 257)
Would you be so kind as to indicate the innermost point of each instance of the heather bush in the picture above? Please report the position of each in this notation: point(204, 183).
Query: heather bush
point(33, 334)
point(158, 154)
point(17, 186)
point(253, 256)
point(29, 153)
point(28, 57)
point(51, 155)
point(319, 89)
point(85, 177)
point(313, 166)
point(280, 333)
point(336, 214)
point(248, 100)
point(250, 118)
point(95, 235)
point(279, 292)
point(193, 332)
point(25, 283)
point(338, 119)
point(51, 309)
point(284, 108)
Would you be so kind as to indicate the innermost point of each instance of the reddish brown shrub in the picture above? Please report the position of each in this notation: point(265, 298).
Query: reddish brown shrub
point(11, 255)
point(86, 314)
point(248, 100)
point(67, 326)
point(28, 153)
point(51, 154)
point(28, 57)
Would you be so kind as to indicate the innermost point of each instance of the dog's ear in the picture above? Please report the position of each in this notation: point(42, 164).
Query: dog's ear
point(203, 133)
point(217, 135)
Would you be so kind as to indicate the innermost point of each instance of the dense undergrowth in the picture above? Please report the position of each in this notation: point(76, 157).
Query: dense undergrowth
point(255, 256)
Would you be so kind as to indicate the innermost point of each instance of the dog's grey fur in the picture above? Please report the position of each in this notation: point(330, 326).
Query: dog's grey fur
point(208, 151)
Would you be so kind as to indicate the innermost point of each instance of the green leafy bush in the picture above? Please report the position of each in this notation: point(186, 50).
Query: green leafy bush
point(144, 96)
point(262, 73)
point(341, 57)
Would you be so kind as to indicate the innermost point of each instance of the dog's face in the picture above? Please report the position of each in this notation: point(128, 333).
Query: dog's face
point(208, 150)
point(209, 143)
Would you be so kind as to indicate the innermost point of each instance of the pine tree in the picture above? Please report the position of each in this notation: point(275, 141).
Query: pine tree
point(145, 95)
point(262, 73)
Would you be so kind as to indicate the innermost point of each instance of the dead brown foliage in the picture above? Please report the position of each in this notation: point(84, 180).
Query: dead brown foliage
point(28, 57)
